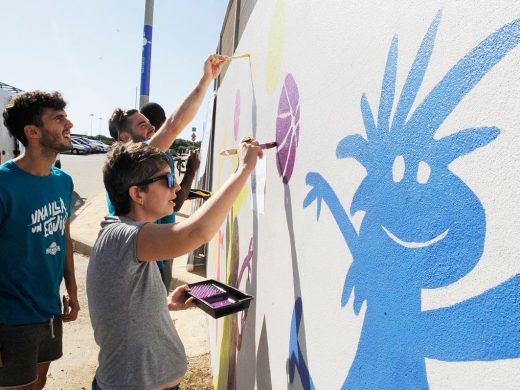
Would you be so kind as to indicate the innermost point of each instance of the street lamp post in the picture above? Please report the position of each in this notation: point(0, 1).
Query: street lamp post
point(91, 118)
point(100, 119)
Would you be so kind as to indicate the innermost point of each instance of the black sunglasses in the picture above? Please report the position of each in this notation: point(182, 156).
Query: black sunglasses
point(167, 176)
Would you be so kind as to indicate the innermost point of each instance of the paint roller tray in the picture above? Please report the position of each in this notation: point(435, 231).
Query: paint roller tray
point(218, 299)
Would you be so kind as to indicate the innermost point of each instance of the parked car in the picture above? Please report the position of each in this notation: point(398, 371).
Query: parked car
point(78, 148)
point(88, 143)
point(104, 147)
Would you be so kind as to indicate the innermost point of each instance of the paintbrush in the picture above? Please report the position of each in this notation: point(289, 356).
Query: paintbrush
point(230, 152)
point(196, 193)
point(242, 56)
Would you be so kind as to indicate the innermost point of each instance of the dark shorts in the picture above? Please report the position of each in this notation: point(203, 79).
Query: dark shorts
point(95, 386)
point(22, 347)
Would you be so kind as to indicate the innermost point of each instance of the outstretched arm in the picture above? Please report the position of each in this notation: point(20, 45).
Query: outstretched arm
point(155, 242)
point(321, 190)
point(178, 120)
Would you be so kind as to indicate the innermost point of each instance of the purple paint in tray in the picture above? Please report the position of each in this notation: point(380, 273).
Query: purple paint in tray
point(218, 299)
point(207, 290)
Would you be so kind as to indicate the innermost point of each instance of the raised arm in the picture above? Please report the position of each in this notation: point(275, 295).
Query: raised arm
point(179, 119)
point(156, 242)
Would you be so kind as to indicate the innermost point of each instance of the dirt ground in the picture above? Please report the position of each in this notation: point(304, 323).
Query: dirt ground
point(75, 370)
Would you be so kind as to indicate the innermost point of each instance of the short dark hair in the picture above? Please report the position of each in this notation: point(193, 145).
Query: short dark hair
point(127, 164)
point(27, 108)
point(155, 114)
point(119, 122)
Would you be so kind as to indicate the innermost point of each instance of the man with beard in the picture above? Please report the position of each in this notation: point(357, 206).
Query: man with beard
point(35, 206)
point(132, 125)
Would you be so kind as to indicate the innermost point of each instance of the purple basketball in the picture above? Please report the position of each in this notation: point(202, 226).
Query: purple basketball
point(287, 128)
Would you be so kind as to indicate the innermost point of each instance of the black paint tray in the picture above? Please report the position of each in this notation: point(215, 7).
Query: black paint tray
point(218, 299)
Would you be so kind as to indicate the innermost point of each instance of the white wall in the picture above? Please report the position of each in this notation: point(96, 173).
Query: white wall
point(438, 313)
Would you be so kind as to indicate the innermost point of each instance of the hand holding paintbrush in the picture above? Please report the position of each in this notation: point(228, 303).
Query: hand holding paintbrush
point(247, 55)
point(233, 151)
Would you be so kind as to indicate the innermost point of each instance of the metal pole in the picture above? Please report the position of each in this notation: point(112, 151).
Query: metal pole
point(91, 118)
point(147, 53)
point(100, 119)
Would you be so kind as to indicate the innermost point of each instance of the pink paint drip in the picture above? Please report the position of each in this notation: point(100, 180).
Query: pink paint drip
point(287, 128)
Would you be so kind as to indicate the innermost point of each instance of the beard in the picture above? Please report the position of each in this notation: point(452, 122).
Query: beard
point(139, 137)
point(55, 142)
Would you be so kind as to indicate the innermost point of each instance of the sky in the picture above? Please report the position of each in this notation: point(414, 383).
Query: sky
point(91, 52)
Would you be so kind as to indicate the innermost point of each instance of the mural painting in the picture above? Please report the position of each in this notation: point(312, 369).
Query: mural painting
point(423, 227)
point(412, 223)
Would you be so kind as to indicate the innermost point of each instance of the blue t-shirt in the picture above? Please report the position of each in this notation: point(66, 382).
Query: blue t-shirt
point(34, 211)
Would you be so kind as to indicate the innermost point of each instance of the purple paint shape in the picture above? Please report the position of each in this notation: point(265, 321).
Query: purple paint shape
point(206, 291)
point(222, 302)
point(236, 121)
point(287, 128)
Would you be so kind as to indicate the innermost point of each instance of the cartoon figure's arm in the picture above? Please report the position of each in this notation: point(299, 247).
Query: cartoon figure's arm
point(321, 190)
point(485, 327)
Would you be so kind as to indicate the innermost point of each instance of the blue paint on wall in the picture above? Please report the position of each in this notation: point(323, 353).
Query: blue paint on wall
point(146, 60)
point(423, 228)
point(296, 360)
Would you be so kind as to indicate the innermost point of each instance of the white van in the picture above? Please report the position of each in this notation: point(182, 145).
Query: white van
point(9, 146)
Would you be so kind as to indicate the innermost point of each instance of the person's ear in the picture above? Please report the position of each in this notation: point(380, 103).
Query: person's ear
point(124, 137)
point(31, 132)
point(136, 195)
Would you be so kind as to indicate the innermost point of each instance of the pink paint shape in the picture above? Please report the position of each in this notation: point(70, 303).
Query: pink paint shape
point(236, 121)
point(287, 128)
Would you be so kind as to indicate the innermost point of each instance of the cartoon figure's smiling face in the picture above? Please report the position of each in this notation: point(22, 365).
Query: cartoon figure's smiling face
point(428, 224)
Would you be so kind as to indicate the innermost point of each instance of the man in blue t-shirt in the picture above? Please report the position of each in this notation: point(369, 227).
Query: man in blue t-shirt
point(35, 206)
point(132, 125)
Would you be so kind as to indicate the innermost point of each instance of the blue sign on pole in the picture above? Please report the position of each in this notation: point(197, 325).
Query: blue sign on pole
point(146, 60)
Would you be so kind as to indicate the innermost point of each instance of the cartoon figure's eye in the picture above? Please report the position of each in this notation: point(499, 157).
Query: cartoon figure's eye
point(423, 173)
point(398, 169)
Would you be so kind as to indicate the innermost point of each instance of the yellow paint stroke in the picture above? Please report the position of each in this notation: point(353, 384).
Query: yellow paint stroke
point(226, 344)
point(221, 379)
point(275, 48)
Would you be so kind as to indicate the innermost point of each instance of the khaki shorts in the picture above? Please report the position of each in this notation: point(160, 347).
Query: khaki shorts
point(22, 347)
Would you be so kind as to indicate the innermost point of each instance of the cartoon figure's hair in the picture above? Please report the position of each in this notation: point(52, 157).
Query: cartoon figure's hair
point(417, 132)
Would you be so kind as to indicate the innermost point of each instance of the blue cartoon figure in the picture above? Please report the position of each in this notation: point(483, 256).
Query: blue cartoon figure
point(423, 228)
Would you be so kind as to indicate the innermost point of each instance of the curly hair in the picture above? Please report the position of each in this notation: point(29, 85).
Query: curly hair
point(119, 122)
point(27, 108)
point(127, 164)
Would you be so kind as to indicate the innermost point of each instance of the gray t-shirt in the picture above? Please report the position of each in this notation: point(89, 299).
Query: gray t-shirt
point(139, 346)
